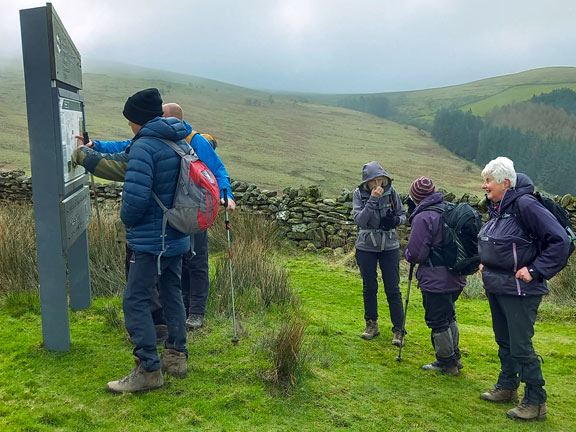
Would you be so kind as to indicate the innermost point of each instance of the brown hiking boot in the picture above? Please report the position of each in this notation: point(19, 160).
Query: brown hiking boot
point(449, 370)
point(528, 412)
point(371, 331)
point(398, 338)
point(174, 363)
point(138, 380)
point(500, 396)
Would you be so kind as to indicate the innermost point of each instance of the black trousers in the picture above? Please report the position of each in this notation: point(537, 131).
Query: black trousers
point(440, 309)
point(388, 261)
point(513, 319)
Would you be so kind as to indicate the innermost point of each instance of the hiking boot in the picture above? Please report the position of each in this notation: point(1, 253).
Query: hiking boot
point(138, 380)
point(174, 363)
point(371, 331)
point(161, 333)
point(194, 321)
point(398, 338)
point(498, 395)
point(528, 412)
point(449, 370)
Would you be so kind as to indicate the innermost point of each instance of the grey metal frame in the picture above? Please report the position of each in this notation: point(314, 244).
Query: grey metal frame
point(52, 70)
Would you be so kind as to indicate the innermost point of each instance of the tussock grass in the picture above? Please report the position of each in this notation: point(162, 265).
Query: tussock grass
point(18, 268)
point(107, 252)
point(244, 228)
point(258, 277)
point(285, 349)
point(563, 285)
point(474, 288)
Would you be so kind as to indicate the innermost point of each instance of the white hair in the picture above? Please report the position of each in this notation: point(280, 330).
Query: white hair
point(501, 169)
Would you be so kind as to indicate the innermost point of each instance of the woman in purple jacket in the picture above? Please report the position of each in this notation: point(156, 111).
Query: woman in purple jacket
point(378, 210)
point(440, 288)
point(521, 246)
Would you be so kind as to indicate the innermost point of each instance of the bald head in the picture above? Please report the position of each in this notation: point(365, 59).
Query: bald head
point(173, 110)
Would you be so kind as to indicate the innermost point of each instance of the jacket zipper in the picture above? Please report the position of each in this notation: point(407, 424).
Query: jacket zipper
point(516, 268)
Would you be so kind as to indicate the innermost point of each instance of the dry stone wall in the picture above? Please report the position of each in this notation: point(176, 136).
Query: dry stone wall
point(307, 218)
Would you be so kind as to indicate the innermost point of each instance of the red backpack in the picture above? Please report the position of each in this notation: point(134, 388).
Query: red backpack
point(197, 196)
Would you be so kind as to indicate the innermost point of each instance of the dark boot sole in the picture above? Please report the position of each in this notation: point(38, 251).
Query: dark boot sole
point(500, 401)
point(146, 390)
point(369, 337)
point(540, 417)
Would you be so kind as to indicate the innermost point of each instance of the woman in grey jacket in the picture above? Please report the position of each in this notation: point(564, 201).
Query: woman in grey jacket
point(378, 210)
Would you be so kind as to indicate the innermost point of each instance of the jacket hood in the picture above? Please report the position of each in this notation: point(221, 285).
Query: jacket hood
point(524, 186)
point(432, 199)
point(169, 128)
point(372, 170)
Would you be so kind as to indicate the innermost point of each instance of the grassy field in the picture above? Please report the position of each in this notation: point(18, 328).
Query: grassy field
point(347, 383)
point(481, 96)
point(272, 140)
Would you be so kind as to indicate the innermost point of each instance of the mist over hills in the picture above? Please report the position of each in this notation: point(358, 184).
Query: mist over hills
point(273, 139)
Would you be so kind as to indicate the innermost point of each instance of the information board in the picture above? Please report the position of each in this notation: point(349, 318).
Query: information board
point(70, 127)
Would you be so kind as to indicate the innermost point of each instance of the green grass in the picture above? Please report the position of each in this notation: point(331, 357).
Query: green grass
point(420, 106)
point(348, 383)
point(279, 144)
point(511, 96)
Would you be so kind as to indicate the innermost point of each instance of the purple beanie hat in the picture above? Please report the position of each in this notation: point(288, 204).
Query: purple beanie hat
point(421, 188)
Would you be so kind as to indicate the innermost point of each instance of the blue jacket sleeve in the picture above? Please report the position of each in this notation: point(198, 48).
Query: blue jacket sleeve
point(207, 155)
point(138, 182)
point(110, 146)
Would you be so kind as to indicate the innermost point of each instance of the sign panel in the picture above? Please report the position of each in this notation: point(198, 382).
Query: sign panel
point(66, 66)
point(75, 213)
point(70, 126)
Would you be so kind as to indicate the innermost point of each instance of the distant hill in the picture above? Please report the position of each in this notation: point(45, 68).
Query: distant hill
point(270, 139)
point(419, 107)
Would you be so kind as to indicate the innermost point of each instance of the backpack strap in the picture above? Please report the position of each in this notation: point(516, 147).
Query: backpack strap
point(435, 256)
point(191, 136)
point(180, 153)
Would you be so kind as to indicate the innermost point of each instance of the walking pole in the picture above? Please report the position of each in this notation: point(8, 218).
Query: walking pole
point(227, 220)
point(399, 356)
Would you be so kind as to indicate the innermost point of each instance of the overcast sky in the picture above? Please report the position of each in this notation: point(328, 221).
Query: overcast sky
point(334, 46)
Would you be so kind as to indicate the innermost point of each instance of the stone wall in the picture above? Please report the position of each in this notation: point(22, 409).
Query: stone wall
point(307, 218)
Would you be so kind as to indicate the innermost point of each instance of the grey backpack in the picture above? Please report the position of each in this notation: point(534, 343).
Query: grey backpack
point(197, 196)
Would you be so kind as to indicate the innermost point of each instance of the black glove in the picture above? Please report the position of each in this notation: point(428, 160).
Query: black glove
point(390, 220)
point(411, 205)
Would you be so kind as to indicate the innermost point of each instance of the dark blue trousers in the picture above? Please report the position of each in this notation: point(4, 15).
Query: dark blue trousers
point(513, 319)
point(143, 280)
point(196, 276)
point(388, 261)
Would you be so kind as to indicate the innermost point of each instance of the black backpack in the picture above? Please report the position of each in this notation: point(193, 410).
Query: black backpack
point(459, 251)
point(559, 212)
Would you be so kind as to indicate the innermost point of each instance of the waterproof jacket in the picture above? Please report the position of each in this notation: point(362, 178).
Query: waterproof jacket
point(505, 245)
point(369, 211)
point(425, 234)
point(153, 167)
point(108, 159)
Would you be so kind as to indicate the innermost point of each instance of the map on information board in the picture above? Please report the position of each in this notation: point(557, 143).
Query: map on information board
point(70, 127)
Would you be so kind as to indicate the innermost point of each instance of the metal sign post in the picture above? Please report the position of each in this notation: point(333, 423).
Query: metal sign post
point(53, 76)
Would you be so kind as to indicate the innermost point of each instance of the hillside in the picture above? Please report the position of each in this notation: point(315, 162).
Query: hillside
point(418, 107)
point(275, 141)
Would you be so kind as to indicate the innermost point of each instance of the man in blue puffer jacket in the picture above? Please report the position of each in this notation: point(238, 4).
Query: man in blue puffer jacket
point(521, 246)
point(108, 159)
point(152, 167)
